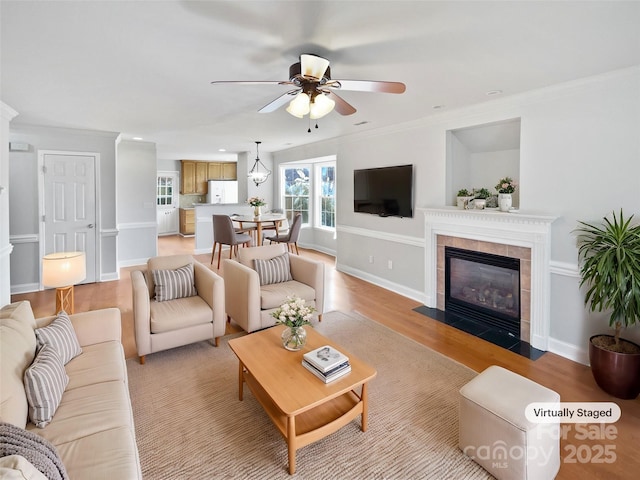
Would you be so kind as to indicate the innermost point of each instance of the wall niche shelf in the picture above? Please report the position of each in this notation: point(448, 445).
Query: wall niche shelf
point(479, 156)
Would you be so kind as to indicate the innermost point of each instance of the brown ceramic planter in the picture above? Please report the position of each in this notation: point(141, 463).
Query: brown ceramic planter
point(618, 374)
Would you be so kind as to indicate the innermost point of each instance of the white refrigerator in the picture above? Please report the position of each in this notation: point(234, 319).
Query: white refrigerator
point(222, 191)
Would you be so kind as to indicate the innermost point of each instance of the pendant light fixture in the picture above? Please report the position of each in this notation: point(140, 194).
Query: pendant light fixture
point(256, 175)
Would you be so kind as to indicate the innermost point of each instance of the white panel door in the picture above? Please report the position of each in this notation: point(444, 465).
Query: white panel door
point(167, 203)
point(70, 206)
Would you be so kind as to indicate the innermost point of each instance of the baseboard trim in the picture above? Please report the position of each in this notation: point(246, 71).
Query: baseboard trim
point(109, 277)
point(25, 288)
point(567, 350)
point(381, 282)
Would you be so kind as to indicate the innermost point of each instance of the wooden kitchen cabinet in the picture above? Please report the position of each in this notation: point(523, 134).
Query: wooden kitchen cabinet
point(194, 175)
point(187, 177)
point(222, 171)
point(230, 171)
point(187, 221)
point(201, 178)
point(214, 170)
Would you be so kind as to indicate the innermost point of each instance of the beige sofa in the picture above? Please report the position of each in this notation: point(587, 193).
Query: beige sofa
point(250, 304)
point(92, 428)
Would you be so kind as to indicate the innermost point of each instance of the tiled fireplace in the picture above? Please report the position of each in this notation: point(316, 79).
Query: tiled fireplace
point(525, 238)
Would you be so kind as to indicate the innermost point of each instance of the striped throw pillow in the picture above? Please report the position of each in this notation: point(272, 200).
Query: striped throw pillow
point(172, 284)
point(274, 270)
point(61, 336)
point(44, 384)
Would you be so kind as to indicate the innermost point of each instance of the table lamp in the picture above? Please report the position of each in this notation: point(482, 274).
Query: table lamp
point(63, 270)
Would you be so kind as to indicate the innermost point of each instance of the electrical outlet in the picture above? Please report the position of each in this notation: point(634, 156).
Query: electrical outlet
point(390, 265)
point(370, 258)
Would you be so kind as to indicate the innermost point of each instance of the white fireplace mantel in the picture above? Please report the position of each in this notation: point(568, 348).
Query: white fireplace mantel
point(513, 228)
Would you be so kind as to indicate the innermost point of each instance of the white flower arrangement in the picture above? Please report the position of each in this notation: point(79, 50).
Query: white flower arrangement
point(294, 313)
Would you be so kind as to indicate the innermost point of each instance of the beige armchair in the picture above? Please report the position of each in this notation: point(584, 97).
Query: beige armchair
point(250, 304)
point(161, 325)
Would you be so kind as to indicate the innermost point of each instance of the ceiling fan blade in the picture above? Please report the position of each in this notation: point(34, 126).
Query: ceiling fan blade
point(280, 101)
point(342, 107)
point(254, 82)
point(368, 86)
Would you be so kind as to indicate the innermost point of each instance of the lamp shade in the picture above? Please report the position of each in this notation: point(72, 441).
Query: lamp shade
point(321, 106)
point(299, 106)
point(63, 269)
point(313, 66)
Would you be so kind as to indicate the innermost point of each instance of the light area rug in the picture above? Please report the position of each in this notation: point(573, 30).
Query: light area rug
point(191, 425)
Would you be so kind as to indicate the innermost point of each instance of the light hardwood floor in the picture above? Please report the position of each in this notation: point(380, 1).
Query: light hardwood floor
point(582, 458)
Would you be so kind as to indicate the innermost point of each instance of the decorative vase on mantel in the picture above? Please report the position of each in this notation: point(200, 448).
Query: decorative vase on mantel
point(294, 338)
point(504, 202)
point(256, 211)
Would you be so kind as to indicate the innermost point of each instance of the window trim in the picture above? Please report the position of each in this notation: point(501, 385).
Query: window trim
point(313, 165)
point(317, 205)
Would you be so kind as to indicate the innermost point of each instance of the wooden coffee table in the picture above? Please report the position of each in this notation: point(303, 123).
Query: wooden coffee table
point(301, 406)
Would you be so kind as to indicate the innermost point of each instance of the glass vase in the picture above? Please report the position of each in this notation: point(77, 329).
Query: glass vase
point(294, 338)
point(256, 211)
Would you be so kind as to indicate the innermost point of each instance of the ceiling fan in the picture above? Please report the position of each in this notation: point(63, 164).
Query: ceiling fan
point(314, 91)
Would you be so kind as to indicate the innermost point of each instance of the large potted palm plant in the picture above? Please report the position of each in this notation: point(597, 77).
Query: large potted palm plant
point(610, 269)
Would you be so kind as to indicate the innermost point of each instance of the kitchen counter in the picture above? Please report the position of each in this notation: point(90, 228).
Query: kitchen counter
point(204, 221)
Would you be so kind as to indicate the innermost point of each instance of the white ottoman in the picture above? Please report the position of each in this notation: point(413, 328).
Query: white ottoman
point(494, 432)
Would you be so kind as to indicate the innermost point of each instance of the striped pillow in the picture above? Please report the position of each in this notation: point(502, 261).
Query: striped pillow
point(274, 270)
point(172, 284)
point(61, 336)
point(44, 384)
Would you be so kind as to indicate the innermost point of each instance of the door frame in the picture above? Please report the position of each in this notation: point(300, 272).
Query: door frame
point(41, 207)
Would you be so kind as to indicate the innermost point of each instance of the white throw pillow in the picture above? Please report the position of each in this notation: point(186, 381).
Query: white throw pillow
point(44, 382)
point(172, 284)
point(61, 336)
point(274, 270)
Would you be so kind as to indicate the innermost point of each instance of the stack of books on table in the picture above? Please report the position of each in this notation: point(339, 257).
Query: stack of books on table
point(326, 363)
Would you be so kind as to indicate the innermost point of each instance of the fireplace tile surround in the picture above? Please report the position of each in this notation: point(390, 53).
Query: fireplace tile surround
point(513, 234)
point(521, 253)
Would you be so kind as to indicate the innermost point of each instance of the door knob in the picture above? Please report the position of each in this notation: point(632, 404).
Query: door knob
point(90, 225)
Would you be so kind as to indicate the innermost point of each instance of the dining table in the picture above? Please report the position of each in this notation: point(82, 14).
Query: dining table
point(266, 218)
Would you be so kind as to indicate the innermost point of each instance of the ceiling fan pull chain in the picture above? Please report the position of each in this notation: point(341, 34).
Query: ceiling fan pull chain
point(309, 130)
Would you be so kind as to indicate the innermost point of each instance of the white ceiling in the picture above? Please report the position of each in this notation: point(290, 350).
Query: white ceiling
point(143, 68)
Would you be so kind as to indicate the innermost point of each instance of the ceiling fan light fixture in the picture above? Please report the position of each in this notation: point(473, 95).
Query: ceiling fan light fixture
point(321, 106)
point(299, 106)
point(256, 175)
point(313, 66)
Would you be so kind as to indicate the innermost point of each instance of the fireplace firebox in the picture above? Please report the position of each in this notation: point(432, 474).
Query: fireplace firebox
point(484, 288)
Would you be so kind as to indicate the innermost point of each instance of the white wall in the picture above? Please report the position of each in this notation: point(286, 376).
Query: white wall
point(23, 201)
point(458, 171)
point(579, 160)
point(6, 115)
point(136, 173)
point(487, 168)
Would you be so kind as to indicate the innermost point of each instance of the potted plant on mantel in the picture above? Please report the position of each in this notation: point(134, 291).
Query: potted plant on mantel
point(480, 197)
point(610, 255)
point(463, 198)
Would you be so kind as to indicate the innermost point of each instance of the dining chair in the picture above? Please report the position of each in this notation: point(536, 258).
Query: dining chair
point(283, 227)
point(290, 238)
point(245, 227)
point(225, 234)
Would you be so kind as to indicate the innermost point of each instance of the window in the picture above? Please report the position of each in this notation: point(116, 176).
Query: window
point(310, 189)
point(326, 188)
point(296, 192)
point(164, 190)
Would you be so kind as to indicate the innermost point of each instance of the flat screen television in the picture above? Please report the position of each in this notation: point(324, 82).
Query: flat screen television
point(384, 191)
